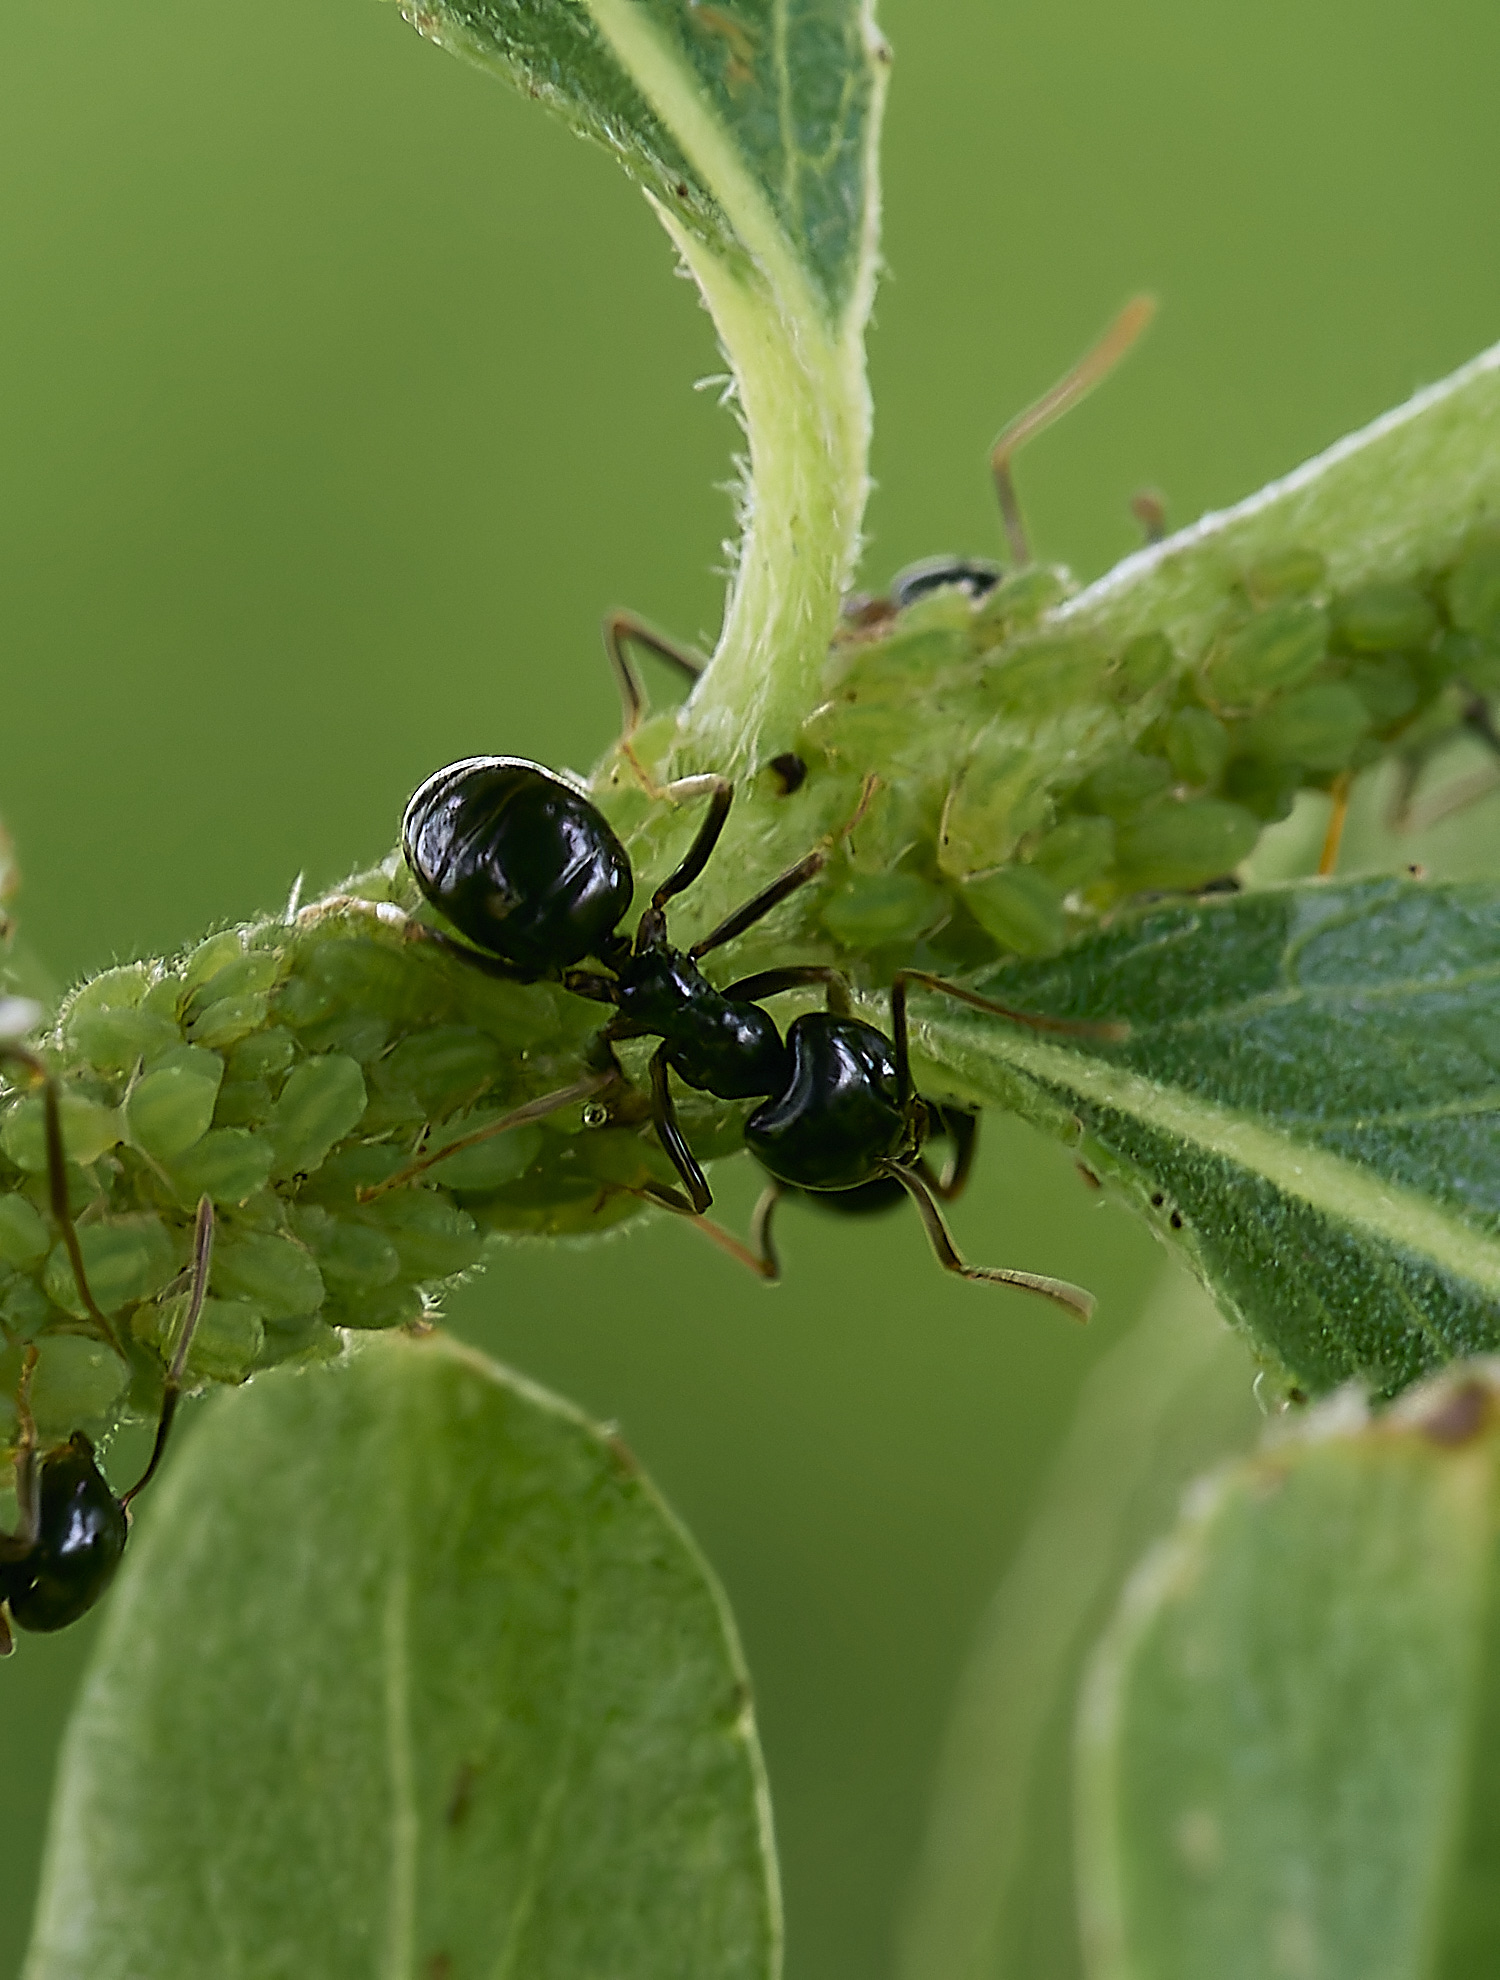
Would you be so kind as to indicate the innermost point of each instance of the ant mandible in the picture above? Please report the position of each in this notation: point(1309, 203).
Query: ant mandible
point(71, 1528)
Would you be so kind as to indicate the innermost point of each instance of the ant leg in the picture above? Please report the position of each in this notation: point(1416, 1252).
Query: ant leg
point(962, 1129)
point(670, 1135)
point(771, 983)
point(757, 1257)
point(203, 1252)
point(761, 1237)
point(57, 1188)
point(1067, 1027)
point(1077, 1302)
point(1095, 364)
point(621, 630)
point(533, 1110)
point(701, 850)
point(761, 904)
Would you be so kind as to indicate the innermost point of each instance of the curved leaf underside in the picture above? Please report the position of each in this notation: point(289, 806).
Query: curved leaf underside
point(1307, 1100)
point(410, 1674)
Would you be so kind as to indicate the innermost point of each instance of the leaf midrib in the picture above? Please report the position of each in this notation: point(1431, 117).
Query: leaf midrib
point(1339, 1189)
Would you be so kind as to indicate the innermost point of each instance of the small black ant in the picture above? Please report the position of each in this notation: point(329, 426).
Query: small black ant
point(527, 869)
point(72, 1528)
point(532, 875)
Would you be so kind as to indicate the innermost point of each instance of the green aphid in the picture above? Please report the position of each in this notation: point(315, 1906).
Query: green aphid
point(1290, 573)
point(1387, 687)
point(378, 1308)
point(229, 1165)
point(1045, 675)
point(1470, 658)
point(1123, 786)
point(871, 909)
point(1269, 790)
point(1144, 664)
point(364, 1166)
point(227, 1342)
point(1020, 600)
point(898, 666)
point(229, 1019)
point(263, 1054)
point(1021, 908)
point(79, 1384)
point(1277, 649)
point(89, 1129)
point(1472, 589)
point(275, 1274)
point(1319, 727)
point(24, 1236)
point(622, 1158)
point(244, 1103)
point(351, 1256)
point(433, 1237)
point(1001, 795)
point(119, 1038)
point(1384, 618)
point(442, 1068)
point(1184, 845)
point(121, 989)
point(202, 964)
point(488, 1164)
point(321, 1102)
point(250, 973)
point(25, 1309)
point(1197, 745)
point(170, 1108)
point(1075, 852)
point(127, 1258)
point(166, 996)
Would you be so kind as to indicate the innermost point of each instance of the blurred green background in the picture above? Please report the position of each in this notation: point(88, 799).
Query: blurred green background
point(342, 393)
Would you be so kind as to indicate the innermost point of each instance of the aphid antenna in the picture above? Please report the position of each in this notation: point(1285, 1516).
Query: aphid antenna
point(523, 1116)
point(1070, 390)
point(203, 1252)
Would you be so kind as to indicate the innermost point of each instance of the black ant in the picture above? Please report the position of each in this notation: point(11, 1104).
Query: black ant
point(528, 870)
point(72, 1528)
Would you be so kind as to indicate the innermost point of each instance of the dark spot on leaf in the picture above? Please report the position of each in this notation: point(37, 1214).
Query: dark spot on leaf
point(1175, 1220)
point(439, 1966)
point(1157, 1199)
point(1088, 1176)
point(1297, 1396)
point(1459, 1417)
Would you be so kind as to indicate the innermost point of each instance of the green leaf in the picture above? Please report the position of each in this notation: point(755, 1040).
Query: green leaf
point(994, 1895)
point(752, 126)
point(1288, 1742)
point(410, 1673)
point(1306, 1101)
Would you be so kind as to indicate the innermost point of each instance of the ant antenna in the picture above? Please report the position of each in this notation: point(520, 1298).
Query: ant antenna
point(1091, 369)
point(203, 1251)
point(57, 1187)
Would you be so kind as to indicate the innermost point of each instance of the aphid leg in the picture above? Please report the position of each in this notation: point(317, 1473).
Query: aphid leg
point(57, 1188)
point(523, 1116)
point(1066, 1027)
point(698, 854)
point(621, 631)
point(797, 976)
point(1095, 365)
point(670, 1135)
point(758, 1256)
point(203, 1254)
point(1333, 838)
point(1073, 1298)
